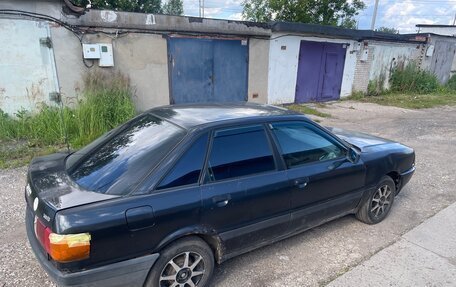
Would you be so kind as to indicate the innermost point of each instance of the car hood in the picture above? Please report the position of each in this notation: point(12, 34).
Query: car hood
point(53, 187)
point(360, 140)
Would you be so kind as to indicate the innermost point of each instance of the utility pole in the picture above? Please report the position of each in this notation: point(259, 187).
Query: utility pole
point(454, 21)
point(374, 16)
point(203, 8)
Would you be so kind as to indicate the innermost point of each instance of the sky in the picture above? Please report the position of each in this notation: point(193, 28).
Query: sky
point(400, 14)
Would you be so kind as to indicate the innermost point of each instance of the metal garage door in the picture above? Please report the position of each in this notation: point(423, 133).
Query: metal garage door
point(207, 70)
point(320, 71)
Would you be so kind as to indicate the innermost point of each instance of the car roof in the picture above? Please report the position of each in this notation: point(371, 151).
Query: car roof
point(192, 115)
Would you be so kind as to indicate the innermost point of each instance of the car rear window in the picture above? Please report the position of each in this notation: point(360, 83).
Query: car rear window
point(117, 163)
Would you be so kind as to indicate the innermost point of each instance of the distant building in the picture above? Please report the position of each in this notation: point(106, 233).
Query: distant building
point(444, 30)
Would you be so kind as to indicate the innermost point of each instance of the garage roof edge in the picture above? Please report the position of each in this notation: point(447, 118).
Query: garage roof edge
point(332, 31)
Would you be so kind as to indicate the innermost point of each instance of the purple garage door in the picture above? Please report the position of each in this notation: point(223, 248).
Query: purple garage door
point(320, 70)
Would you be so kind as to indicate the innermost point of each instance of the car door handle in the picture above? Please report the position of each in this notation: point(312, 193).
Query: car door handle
point(301, 183)
point(221, 200)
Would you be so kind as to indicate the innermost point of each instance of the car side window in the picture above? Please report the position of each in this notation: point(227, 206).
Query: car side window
point(239, 152)
point(188, 168)
point(300, 143)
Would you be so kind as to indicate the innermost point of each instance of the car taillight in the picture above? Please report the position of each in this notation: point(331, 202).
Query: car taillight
point(42, 233)
point(69, 247)
point(63, 247)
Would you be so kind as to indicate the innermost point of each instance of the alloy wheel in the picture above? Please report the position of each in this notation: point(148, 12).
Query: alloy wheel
point(184, 270)
point(381, 201)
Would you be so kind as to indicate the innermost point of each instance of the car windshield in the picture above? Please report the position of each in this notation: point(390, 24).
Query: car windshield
point(115, 164)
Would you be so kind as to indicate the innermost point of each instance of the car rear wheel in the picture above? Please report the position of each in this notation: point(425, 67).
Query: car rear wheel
point(188, 262)
point(377, 206)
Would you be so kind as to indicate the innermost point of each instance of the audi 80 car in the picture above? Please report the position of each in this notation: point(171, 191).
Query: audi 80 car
point(159, 200)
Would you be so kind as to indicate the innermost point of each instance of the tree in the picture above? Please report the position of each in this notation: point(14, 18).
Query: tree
point(144, 6)
point(174, 7)
point(323, 12)
point(387, 30)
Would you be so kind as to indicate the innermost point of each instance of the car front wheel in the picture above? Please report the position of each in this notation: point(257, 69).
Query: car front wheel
point(377, 206)
point(188, 262)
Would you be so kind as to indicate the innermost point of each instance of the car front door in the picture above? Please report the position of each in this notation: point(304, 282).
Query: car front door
point(246, 198)
point(324, 183)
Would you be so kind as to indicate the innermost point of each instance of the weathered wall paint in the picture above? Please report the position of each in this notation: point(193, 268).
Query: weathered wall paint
point(258, 70)
point(283, 66)
point(130, 20)
point(27, 68)
point(387, 56)
point(442, 62)
point(141, 57)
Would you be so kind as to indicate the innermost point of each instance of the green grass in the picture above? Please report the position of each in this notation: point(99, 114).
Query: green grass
point(412, 80)
point(106, 102)
point(411, 88)
point(408, 100)
point(308, 110)
point(15, 154)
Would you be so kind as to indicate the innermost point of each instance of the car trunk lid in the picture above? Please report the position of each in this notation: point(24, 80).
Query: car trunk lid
point(51, 189)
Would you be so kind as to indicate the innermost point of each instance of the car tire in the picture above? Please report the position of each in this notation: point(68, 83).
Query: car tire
point(378, 205)
point(186, 259)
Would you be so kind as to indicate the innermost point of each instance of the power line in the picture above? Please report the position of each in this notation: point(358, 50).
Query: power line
point(408, 15)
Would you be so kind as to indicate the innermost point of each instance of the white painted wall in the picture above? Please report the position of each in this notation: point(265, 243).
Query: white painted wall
point(283, 66)
point(387, 56)
point(446, 31)
point(27, 68)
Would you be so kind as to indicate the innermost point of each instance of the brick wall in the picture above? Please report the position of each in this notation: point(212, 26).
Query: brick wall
point(362, 71)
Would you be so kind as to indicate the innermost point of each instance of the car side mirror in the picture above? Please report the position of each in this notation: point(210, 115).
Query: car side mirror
point(352, 155)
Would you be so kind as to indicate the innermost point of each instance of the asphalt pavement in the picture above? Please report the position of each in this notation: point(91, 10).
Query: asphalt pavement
point(424, 256)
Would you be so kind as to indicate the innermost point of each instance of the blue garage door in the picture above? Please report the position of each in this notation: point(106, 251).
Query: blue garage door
point(207, 70)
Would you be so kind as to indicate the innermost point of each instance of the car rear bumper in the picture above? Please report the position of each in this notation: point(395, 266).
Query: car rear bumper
point(131, 272)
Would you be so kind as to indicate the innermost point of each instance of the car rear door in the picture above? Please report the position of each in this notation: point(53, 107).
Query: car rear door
point(324, 184)
point(246, 198)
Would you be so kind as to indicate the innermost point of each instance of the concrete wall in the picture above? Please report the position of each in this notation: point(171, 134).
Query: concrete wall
point(141, 57)
point(388, 56)
point(283, 66)
point(129, 20)
point(27, 69)
point(258, 70)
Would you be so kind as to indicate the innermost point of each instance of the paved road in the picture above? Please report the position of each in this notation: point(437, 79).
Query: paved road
point(318, 256)
point(424, 256)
